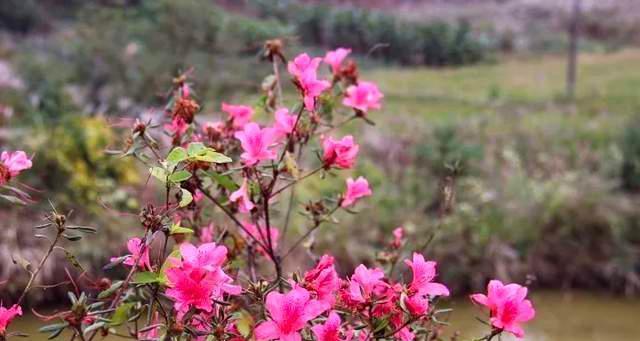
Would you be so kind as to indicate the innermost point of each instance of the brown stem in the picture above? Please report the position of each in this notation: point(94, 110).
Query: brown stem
point(278, 191)
point(34, 274)
point(276, 73)
point(231, 216)
point(309, 231)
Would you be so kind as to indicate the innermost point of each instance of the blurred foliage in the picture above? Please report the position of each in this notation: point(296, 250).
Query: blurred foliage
point(446, 152)
point(125, 55)
point(630, 144)
point(377, 34)
point(19, 15)
point(72, 162)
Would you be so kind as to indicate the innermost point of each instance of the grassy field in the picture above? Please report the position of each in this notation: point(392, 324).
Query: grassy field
point(608, 84)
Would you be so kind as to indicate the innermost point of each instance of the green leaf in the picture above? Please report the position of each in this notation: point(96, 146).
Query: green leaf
point(85, 229)
point(176, 229)
point(159, 173)
point(186, 198)
point(167, 263)
point(244, 323)
point(212, 156)
point(12, 199)
point(179, 176)
point(53, 327)
point(73, 260)
point(146, 277)
point(71, 238)
point(177, 155)
point(111, 290)
point(195, 148)
point(225, 181)
point(98, 325)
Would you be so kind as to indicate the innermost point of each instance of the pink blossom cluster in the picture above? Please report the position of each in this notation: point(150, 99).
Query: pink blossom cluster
point(197, 279)
point(199, 269)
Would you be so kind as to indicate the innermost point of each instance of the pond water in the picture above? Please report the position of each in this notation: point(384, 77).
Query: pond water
point(575, 316)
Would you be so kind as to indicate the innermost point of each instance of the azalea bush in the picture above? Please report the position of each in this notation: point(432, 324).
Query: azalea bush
point(207, 261)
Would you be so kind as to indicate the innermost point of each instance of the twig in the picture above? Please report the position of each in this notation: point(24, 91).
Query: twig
point(40, 265)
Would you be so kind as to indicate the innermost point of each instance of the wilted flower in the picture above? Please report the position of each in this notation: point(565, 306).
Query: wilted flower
point(508, 306)
point(363, 97)
point(11, 164)
point(256, 143)
point(185, 108)
point(288, 313)
point(355, 190)
point(339, 153)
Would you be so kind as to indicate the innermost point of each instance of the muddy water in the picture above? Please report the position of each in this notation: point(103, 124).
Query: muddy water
point(576, 316)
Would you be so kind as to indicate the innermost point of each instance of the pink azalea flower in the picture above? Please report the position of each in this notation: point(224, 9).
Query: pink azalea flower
point(206, 234)
point(398, 236)
point(178, 126)
point(423, 275)
point(197, 278)
point(334, 58)
point(363, 97)
point(304, 69)
point(240, 114)
point(311, 88)
point(190, 288)
point(405, 333)
point(323, 280)
point(259, 234)
point(198, 196)
point(208, 256)
point(289, 313)
point(11, 164)
point(285, 122)
point(303, 64)
point(7, 315)
point(365, 283)
point(417, 304)
point(355, 190)
point(256, 143)
point(340, 153)
point(135, 246)
point(242, 198)
point(330, 330)
point(507, 305)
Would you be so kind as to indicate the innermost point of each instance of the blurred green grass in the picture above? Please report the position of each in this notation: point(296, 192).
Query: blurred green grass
point(607, 83)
